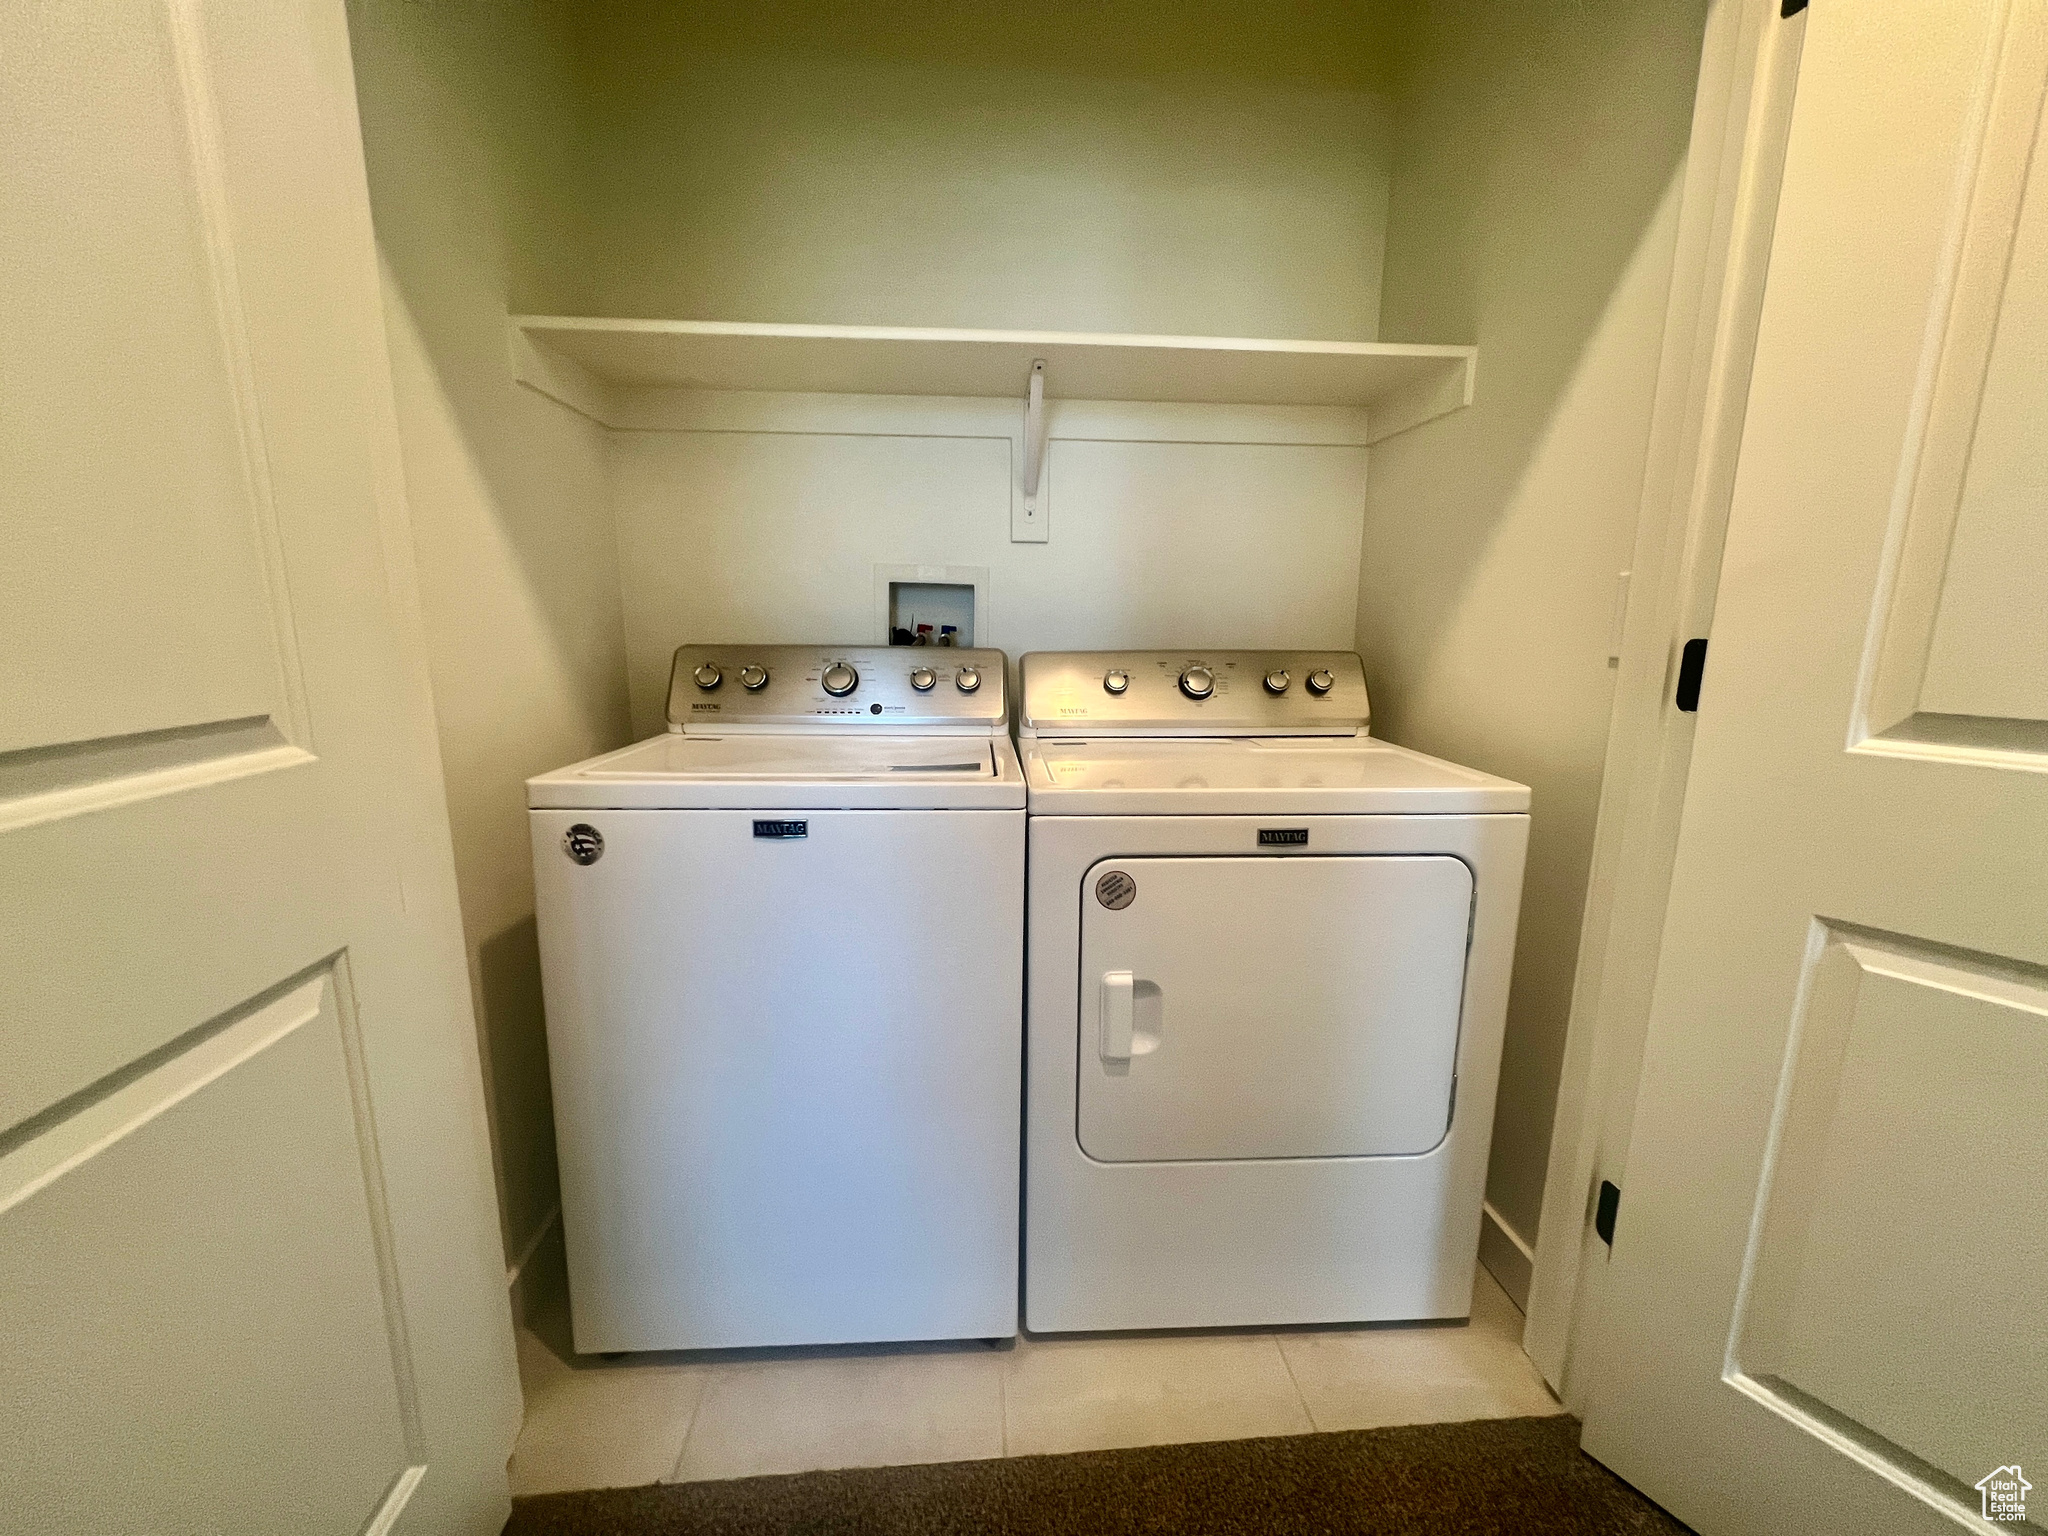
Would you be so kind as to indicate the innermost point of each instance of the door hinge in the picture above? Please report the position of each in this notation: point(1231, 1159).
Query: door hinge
point(1605, 1211)
point(1692, 666)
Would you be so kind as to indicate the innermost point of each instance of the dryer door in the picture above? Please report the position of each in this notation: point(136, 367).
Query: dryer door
point(1270, 1007)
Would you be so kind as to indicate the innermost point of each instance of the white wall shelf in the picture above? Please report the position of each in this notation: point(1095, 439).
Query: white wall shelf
point(582, 361)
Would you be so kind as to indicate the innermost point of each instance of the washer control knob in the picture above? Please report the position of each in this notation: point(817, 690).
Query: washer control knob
point(1116, 680)
point(1320, 681)
point(840, 679)
point(923, 678)
point(708, 677)
point(1276, 681)
point(1198, 682)
point(968, 680)
point(753, 679)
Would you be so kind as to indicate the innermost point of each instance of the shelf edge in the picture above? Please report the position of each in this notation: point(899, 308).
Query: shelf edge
point(539, 366)
point(1108, 340)
point(1425, 400)
point(562, 379)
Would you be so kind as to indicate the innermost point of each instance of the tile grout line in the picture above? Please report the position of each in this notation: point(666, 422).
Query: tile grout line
point(696, 1411)
point(1299, 1395)
point(1003, 1399)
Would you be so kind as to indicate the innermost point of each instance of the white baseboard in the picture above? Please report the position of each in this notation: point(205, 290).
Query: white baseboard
point(1505, 1255)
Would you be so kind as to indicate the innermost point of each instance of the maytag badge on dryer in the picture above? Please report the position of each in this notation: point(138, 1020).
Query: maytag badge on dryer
point(1116, 890)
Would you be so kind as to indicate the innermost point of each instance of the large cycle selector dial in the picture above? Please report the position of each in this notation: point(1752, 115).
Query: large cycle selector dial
point(840, 680)
point(708, 677)
point(1320, 681)
point(1198, 682)
point(968, 680)
point(923, 678)
point(753, 679)
point(1115, 680)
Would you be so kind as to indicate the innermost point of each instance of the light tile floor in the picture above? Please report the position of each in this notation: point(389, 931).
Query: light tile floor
point(594, 1423)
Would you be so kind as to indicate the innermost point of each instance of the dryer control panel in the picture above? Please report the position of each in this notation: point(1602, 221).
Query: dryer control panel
point(1195, 693)
point(720, 689)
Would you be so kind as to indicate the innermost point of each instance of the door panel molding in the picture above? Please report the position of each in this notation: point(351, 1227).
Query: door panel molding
point(45, 1148)
point(40, 784)
point(82, 1124)
point(209, 165)
point(1899, 709)
point(1911, 1053)
point(138, 1229)
point(147, 591)
point(370, 1149)
point(396, 1498)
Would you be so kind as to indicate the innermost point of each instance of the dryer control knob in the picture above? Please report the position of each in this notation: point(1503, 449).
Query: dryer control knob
point(753, 679)
point(708, 677)
point(1115, 680)
point(1276, 682)
point(1320, 681)
point(968, 680)
point(840, 679)
point(1198, 682)
point(923, 678)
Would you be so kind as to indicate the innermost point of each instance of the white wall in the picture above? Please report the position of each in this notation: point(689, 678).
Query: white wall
point(1537, 162)
point(1071, 165)
point(772, 535)
point(465, 105)
point(1067, 164)
point(1079, 166)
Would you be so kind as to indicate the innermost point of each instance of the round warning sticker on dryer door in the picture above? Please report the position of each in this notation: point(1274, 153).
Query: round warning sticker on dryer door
point(1116, 890)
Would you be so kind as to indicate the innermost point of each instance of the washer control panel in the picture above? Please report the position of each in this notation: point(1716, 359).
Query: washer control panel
point(1195, 693)
point(715, 688)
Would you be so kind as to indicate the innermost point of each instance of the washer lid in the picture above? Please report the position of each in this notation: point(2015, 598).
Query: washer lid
point(680, 772)
point(1285, 776)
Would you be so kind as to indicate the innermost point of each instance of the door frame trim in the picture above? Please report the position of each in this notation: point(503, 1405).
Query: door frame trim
point(1742, 113)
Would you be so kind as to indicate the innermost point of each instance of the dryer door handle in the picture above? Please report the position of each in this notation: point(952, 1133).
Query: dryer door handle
point(1117, 987)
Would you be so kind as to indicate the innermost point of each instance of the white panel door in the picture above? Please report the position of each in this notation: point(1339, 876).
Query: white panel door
point(246, 1238)
point(1828, 1302)
point(1270, 1006)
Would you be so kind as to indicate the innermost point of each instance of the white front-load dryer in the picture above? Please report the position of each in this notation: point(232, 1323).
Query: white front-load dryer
point(782, 955)
point(1268, 978)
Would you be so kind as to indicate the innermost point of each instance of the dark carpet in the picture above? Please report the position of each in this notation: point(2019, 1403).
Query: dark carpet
point(1521, 1476)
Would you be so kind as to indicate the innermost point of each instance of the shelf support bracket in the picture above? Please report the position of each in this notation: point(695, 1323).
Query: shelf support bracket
point(1034, 435)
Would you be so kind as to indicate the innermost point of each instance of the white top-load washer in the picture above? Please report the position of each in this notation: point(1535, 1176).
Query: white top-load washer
point(1268, 977)
point(782, 953)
